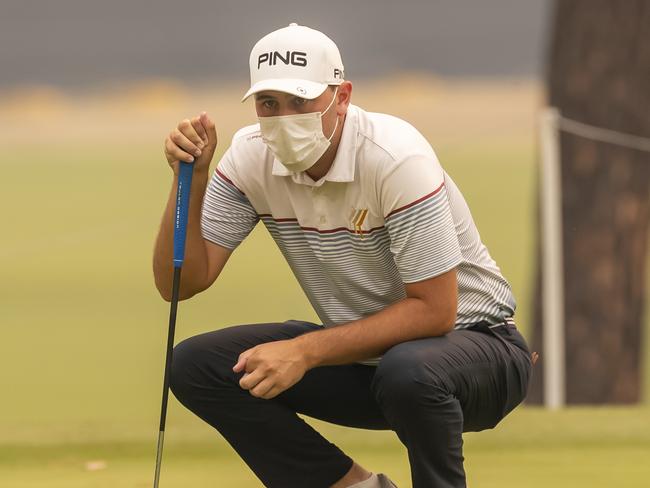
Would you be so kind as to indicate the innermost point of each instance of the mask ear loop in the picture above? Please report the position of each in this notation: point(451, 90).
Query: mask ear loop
point(330, 105)
point(329, 139)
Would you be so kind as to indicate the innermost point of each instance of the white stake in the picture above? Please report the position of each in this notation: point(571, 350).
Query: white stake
point(552, 261)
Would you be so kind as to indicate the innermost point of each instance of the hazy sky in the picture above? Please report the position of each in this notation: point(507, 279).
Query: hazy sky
point(82, 42)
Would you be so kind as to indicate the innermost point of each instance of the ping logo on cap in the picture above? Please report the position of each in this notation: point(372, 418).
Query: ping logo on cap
point(296, 58)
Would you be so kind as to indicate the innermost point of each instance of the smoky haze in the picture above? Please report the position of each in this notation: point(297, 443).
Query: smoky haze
point(72, 43)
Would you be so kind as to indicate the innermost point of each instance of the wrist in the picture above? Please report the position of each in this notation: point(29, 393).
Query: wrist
point(201, 171)
point(306, 350)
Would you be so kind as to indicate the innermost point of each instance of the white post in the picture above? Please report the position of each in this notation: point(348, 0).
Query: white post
point(552, 261)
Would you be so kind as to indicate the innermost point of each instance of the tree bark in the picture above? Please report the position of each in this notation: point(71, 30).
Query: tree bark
point(599, 74)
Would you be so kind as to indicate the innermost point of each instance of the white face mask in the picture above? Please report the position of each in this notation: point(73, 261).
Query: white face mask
point(297, 141)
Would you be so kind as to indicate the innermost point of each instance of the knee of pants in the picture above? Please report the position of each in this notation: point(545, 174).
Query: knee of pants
point(405, 380)
point(197, 364)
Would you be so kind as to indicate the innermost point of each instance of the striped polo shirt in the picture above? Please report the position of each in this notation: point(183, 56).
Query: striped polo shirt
point(385, 214)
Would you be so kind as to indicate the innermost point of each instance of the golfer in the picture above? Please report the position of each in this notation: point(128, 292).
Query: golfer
point(417, 332)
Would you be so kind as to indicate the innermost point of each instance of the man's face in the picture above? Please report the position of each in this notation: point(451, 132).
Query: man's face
point(275, 103)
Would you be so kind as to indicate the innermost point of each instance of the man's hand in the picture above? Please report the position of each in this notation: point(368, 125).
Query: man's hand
point(271, 368)
point(203, 260)
point(193, 140)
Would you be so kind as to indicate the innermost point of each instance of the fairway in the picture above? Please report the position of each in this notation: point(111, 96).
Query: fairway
point(84, 329)
point(596, 448)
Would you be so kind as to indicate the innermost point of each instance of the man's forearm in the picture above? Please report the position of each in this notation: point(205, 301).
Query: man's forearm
point(195, 264)
point(408, 319)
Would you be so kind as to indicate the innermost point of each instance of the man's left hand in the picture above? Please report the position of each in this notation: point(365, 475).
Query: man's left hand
point(271, 368)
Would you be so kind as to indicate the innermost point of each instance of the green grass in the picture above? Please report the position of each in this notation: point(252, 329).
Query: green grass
point(84, 332)
point(596, 448)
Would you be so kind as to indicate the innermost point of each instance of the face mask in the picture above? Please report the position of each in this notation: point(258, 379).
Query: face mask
point(297, 141)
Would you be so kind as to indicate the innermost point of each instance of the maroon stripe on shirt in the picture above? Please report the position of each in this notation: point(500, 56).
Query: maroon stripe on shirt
point(425, 197)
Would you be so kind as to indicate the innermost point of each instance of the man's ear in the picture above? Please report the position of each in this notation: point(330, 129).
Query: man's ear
point(343, 96)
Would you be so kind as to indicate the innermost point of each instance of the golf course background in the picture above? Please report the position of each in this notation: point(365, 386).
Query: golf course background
point(84, 330)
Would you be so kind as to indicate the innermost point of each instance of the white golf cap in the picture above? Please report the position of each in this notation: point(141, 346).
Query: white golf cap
point(296, 60)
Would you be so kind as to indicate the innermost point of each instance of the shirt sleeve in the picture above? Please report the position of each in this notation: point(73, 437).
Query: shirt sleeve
point(418, 218)
point(227, 216)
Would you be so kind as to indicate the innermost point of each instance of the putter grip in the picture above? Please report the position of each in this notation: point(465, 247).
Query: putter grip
point(182, 210)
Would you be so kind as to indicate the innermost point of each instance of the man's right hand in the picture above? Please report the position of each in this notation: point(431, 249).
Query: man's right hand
point(193, 140)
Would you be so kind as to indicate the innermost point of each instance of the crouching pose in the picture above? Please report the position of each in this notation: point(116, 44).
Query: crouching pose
point(417, 332)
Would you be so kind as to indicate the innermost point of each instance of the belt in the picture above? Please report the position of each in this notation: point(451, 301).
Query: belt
point(508, 323)
point(503, 330)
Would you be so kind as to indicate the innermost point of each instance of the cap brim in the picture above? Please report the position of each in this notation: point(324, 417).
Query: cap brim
point(300, 88)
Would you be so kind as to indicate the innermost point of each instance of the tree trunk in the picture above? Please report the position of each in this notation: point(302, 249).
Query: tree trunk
point(600, 75)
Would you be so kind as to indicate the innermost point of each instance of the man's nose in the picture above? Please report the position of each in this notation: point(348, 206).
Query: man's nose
point(287, 110)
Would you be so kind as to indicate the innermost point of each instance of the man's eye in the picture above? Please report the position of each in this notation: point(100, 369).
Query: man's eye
point(299, 101)
point(270, 104)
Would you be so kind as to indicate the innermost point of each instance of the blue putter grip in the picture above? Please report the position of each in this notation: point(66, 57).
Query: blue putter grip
point(182, 210)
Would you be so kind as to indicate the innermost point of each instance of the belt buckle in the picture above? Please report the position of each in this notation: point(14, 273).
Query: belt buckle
point(506, 326)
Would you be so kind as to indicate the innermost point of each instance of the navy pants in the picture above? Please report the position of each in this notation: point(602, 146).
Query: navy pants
point(429, 391)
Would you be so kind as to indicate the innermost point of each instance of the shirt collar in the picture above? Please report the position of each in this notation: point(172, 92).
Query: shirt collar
point(344, 165)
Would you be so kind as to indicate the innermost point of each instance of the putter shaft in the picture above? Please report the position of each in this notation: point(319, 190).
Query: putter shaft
point(168, 363)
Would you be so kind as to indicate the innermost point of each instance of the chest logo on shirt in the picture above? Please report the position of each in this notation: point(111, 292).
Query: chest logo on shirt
point(357, 219)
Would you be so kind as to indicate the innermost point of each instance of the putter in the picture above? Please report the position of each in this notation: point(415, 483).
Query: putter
point(180, 231)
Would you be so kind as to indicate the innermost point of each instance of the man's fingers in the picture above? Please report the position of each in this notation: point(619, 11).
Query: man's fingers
point(241, 361)
point(184, 143)
point(263, 389)
point(250, 380)
point(273, 392)
point(241, 364)
point(210, 129)
point(175, 153)
point(192, 141)
point(200, 130)
point(186, 128)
